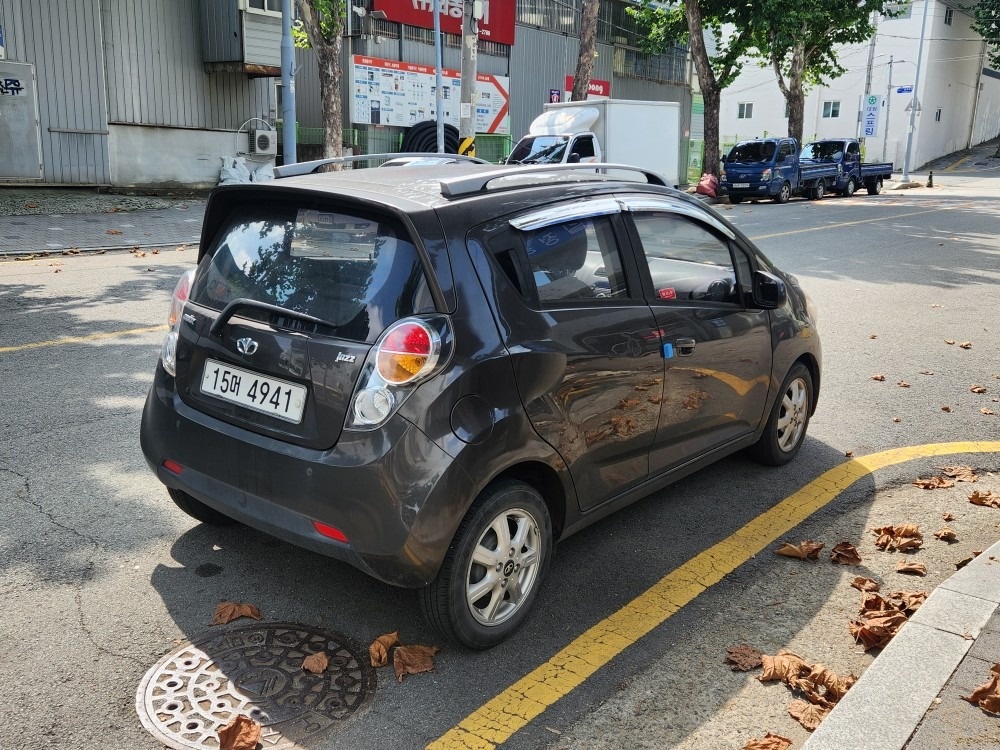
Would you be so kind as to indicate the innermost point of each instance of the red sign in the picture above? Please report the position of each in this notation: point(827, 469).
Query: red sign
point(597, 87)
point(496, 25)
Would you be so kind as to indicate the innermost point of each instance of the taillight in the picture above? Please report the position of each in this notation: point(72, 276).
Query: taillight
point(407, 351)
point(168, 354)
point(410, 351)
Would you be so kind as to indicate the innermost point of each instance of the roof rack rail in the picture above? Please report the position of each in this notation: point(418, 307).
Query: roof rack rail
point(309, 167)
point(456, 187)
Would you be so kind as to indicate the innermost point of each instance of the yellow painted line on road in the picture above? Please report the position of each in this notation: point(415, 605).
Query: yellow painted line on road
point(496, 721)
point(81, 339)
point(957, 163)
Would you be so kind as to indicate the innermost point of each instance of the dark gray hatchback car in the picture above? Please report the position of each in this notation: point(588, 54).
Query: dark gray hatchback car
point(435, 373)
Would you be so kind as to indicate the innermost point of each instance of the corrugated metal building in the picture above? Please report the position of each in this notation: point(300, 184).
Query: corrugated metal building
point(158, 92)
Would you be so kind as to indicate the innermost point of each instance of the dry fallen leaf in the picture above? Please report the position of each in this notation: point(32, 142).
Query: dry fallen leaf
point(946, 408)
point(903, 384)
point(949, 342)
point(896, 419)
point(960, 473)
point(987, 499)
point(908, 601)
point(807, 550)
point(229, 611)
point(845, 553)
point(934, 483)
point(880, 377)
point(316, 663)
point(947, 517)
point(743, 658)
point(987, 412)
point(987, 695)
point(965, 345)
point(864, 584)
point(31, 204)
point(913, 568)
point(114, 231)
point(927, 372)
point(413, 660)
point(946, 535)
point(877, 629)
point(873, 335)
point(937, 305)
point(849, 454)
point(378, 651)
point(898, 538)
point(784, 666)
point(242, 733)
point(769, 742)
point(977, 389)
point(808, 715)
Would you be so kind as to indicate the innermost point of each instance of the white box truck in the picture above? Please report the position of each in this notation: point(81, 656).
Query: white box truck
point(620, 131)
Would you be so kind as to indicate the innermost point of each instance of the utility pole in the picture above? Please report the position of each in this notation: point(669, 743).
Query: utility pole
point(868, 76)
point(471, 13)
point(888, 104)
point(288, 147)
point(438, 91)
point(916, 102)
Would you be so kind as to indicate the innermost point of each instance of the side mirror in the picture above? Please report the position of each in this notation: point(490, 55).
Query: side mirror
point(573, 159)
point(768, 290)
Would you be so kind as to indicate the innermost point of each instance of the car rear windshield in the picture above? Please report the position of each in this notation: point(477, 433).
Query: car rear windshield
point(356, 271)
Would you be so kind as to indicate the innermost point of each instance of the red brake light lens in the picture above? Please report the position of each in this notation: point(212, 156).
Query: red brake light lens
point(407, 351)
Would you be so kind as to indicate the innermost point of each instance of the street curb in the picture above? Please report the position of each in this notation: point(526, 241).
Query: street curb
point(8, 255)
point(883, 709)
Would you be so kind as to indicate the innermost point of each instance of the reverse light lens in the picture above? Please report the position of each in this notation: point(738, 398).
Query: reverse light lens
point(406, 352)
point(168, 354)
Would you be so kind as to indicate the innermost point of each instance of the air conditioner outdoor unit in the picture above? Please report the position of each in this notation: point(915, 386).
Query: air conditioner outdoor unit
point(263, 142)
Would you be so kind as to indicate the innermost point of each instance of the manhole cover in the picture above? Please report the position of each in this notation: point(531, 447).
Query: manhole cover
point(200, 686)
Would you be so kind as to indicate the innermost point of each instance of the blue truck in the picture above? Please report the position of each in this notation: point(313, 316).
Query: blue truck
point(771, 168)
point(846, 154)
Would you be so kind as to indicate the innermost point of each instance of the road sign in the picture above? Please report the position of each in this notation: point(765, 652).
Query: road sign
point(904, 90)
point(870, 117)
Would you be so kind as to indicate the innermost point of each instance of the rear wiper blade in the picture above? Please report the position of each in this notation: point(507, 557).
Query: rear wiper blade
point(243, 303)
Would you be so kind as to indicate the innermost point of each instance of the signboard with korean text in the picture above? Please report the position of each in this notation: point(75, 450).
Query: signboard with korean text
point(870, 116)
point(496, 25)
point(390, 92)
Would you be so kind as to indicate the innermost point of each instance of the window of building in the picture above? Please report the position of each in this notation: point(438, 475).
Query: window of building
point(948, 15)
point(831, 109)
point(937, 115)
point(263, 6)
point(745, 111)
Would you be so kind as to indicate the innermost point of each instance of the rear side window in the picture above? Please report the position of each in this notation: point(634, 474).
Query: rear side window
point(357, 272)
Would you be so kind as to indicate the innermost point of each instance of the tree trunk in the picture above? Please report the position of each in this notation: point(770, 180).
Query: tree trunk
point(327, 43)
point(793, 90)
point(709, 87)
point(588, 50)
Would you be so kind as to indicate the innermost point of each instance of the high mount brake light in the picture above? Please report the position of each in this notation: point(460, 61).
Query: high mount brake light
point(407, 351)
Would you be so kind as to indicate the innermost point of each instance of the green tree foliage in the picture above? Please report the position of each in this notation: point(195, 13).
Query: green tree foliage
point(717, 56)
point(799, 40)
point(987, 22)
point(321, 26)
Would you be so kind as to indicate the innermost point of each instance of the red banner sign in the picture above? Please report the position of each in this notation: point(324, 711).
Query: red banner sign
point(496, 25)
point(597, 87)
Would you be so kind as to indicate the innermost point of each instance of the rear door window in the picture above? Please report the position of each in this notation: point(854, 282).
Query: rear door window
point(358, 272)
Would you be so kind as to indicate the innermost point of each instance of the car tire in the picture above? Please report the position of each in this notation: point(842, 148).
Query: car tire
point(817, 193)
point(875, 186)
point(786, 427)
point(198, 510)
point(849, 188)
point(735, 199)
point(483, 562)
point(784, 194)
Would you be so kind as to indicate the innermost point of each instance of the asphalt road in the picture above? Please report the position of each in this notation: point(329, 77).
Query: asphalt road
point(100, 575)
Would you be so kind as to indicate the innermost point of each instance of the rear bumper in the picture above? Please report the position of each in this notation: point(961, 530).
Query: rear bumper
point(395, 494)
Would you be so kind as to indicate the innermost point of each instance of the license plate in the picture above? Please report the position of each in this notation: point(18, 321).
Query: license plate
point(741, 184)
point(254, 391)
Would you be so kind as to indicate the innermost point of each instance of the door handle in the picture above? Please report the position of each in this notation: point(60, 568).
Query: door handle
point(685, 347)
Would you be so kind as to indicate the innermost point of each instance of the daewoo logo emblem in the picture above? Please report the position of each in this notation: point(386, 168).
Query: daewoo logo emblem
point(246, 346)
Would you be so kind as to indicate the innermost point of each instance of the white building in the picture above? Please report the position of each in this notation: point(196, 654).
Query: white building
point(959, 98)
